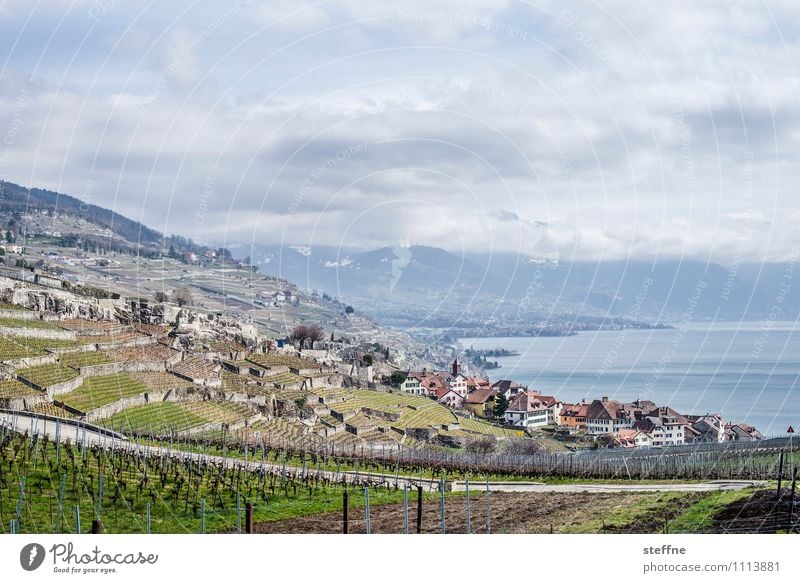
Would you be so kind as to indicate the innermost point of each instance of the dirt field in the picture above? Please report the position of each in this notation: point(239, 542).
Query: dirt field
point(510, 513)
point(760, 513)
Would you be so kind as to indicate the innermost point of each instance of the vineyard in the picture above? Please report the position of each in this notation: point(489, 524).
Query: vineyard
point(160, 381)
point(88, 358)
point(46, 375)
point(18, 347)
point(102, 390)
point(34, 324)
point(11, 388)
point(51, 488)
point(165, 418)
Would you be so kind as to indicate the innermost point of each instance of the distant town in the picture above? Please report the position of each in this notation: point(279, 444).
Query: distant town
point(641, 423)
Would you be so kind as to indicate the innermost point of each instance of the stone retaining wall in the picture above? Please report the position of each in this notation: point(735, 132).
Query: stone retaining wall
point(31, 361)
point(27, 315)
point(23, 403)
point(96, 370)
point(143, 341)
point(65, 387)
point(40, 333)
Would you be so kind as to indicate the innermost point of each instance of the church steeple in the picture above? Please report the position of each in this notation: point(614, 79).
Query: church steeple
point(456, 367)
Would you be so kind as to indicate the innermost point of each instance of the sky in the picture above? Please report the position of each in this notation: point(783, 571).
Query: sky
point(568, 130)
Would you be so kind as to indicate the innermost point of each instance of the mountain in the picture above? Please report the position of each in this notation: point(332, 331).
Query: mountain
point(16, 200)
point(425, 285)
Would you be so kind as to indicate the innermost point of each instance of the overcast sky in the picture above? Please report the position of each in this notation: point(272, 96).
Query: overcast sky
point(565, 129)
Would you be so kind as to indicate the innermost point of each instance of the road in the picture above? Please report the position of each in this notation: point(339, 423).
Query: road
point(51, 427)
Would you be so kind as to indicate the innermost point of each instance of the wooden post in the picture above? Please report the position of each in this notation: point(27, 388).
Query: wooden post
point(366, 498)
point(488, 508)
point(780, 476)
point(419, 509)
point(469, 521)
point(248, 517)
point(441, 503)
point(97, 527)
point(405, 508)
point(345, 513)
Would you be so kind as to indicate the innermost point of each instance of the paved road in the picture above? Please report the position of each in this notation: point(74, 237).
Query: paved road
point(79, 434)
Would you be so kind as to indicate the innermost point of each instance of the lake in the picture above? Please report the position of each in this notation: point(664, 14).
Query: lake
point(747, 371)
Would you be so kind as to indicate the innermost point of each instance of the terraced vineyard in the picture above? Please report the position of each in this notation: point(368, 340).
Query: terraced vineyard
point(52, 410)
point(14, 348)
point(160, 381)
point(12, 388)
point(274, 359)
point(284, 378)
point(484, 427)
point(46, 375)
point(36, 324)
point(168, 417)
point(79, 359)
point(98, 391)
point(17, 347)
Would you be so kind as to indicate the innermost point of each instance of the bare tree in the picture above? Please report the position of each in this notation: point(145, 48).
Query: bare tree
point(483, 445)
point(522, 446)
point(161, 296)
point(183, 296)
point(306, 334)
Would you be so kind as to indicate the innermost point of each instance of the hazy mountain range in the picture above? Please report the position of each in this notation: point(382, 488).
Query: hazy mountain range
point(418, 281)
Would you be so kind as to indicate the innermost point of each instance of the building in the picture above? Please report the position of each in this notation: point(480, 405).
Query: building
point(450, 398)
point(573, 417)
point(481, 402)
point(742, 432)
point(529, 409)
point(706, 429)
point(412, 386)
point(607, 416)
point(632, 438)
point(665, 425)
point(509, 388)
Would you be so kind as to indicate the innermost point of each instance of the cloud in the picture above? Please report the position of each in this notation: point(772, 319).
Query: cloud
point(627, 131)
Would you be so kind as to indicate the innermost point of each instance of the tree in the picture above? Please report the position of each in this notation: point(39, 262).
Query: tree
point(161, 296)
point(522, 446)
point(349, 310)
point(483, 445)
point(303, 334)
point(398, 378)
point(500, 406)
point(183, 296)
point(367, 360)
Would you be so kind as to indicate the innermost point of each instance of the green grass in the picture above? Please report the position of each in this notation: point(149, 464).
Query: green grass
point(699, 516)
point(46, 375)
point(625, 513)
point(98, 391)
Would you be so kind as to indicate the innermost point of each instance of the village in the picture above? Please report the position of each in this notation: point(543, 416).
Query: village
point(638, 424)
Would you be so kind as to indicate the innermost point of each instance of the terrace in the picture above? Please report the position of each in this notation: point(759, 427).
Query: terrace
point(98, 391)
point(46, 375)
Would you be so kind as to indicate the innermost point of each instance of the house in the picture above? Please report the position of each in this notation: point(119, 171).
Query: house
point(412, 386)
point(509, 388)
point(665, 425)
point(742, 432)
point(449, 398)
point(528, 409)
point(705, 429)
point(573, 416)
point(429, 381)
point(481, 402)
point(607, 416)
point(456, 381)
point(475, 383)
point(632, 438)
